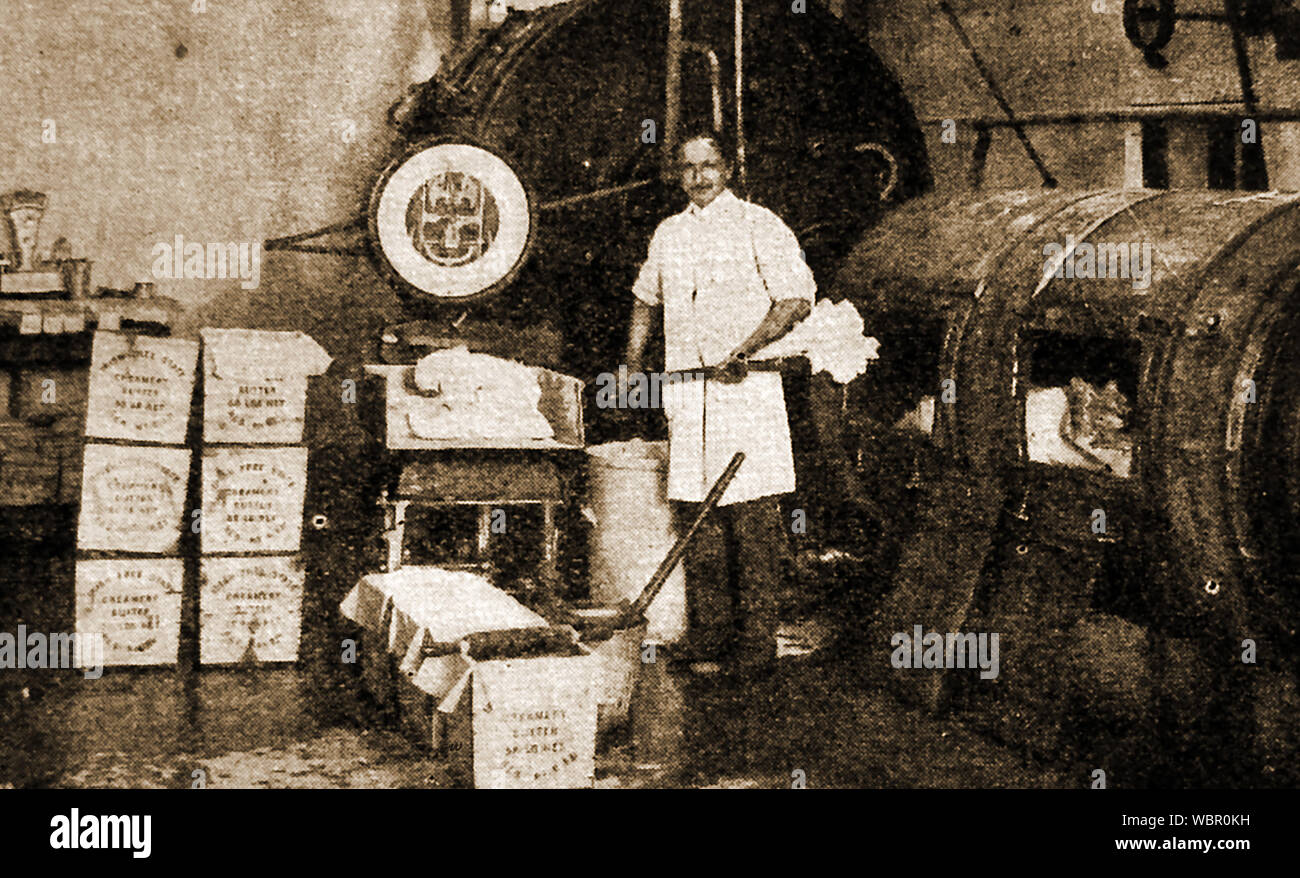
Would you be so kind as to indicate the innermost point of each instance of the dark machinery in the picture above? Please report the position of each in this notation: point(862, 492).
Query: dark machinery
point(529, 174)
point(1109, 474)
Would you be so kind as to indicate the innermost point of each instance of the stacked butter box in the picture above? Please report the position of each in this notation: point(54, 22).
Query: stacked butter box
point(133, 490)
point(254, 473)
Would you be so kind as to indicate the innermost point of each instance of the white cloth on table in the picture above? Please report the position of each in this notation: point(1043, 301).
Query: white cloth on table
point(476, 396)
point(418, 606)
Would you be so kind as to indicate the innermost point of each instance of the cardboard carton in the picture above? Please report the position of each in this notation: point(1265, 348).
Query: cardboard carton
point(509, 723)
point(252, 499)
point(141, 388)
point(133, 499)
point(135, 604)
point(480, 676)
point(254, 411)
point(250, 609)
point(255, 384)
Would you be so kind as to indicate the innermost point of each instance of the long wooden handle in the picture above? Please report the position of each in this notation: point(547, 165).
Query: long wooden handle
point(774, 365)
point(637, 611)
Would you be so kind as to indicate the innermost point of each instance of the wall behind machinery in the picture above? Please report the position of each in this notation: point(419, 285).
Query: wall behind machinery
point(255, 119)
point(1057, 57)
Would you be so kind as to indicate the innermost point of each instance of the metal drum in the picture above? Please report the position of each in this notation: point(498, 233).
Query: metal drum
point(633, 530)
point(1112, 383)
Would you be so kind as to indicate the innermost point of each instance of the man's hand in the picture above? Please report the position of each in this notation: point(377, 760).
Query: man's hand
point(733, 369)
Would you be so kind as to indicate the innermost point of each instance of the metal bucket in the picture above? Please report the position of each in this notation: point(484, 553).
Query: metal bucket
point(634, 531)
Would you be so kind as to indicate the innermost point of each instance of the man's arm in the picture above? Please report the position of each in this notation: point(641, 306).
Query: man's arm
point(638, 335)
point(780, 319)
point(787, 279)
point(647, 292)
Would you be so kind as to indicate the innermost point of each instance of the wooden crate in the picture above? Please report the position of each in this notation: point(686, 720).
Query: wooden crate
point(38, 465)
point(133, 499)
point(250, 609)
point(141, 388)
point(252, 499)
point(27, 476)
point(135, 604)
point(68, 450)
point(45, 395)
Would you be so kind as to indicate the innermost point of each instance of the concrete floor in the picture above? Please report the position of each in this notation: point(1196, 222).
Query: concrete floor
point(828, 718)
point(279, 728)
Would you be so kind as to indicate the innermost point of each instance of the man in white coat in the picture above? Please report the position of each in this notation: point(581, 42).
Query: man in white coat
point(730, 278)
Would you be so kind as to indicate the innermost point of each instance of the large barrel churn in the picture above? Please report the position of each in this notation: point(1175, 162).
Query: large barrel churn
point(1106, 387)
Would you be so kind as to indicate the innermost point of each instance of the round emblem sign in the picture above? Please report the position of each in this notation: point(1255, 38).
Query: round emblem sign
point(450, 220)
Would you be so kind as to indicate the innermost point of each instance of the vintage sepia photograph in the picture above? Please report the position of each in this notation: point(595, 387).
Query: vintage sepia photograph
point(628, 394)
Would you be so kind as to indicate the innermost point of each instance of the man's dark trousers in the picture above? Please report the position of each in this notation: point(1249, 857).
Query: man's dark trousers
point(733, 578)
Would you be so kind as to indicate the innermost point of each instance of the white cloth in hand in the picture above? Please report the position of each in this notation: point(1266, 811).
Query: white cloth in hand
point(833, 339)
